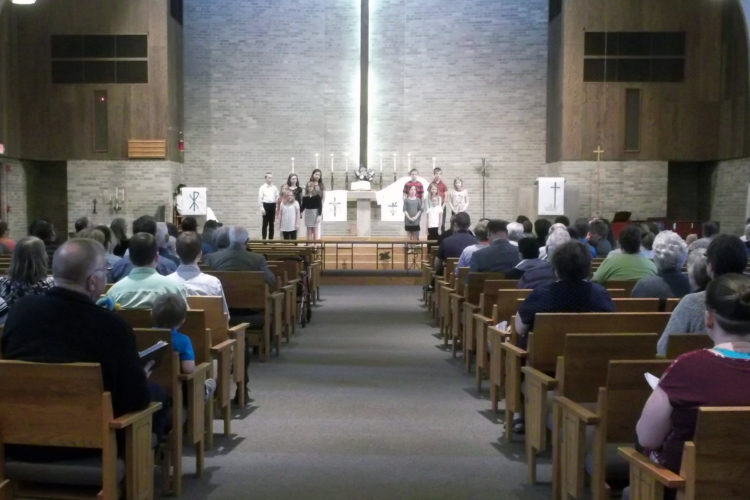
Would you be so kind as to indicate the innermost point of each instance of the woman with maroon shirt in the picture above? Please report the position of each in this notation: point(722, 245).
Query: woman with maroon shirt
point(708, 377)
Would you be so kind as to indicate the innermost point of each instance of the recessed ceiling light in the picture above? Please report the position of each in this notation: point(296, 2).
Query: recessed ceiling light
point(23, 2)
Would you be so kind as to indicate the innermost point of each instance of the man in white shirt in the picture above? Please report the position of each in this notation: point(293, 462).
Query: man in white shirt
point(188, 273)
point(268, 195)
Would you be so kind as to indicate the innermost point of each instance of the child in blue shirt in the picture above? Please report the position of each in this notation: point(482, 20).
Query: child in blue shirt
point(169, 311)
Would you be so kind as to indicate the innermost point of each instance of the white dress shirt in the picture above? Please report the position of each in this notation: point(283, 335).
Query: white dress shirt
point(198, 283)
point(267, 194)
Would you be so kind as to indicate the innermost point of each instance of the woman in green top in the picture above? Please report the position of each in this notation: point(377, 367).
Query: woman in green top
point(628, 265)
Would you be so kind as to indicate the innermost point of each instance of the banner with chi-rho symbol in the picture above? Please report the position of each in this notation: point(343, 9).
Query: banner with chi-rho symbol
point(193, 201)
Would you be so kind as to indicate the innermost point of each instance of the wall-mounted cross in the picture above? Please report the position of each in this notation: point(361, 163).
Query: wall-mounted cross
point(598, 152)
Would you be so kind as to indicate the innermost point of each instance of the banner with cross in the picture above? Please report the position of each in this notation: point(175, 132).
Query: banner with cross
point(551, 195)
point(334, 206)
point(192, 201)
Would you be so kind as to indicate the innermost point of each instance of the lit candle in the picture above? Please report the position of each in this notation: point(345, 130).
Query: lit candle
point(433, 162)
point(331, 162)
point(292, 164)
point(122, 193)
point(381, 162)
point(346, 162)
point(316, 161)
point(394, 162)
point(408, 161)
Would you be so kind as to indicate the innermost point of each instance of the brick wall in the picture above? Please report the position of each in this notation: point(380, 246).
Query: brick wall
point(265, 81)
point(639, 187)
point(148, 186)
point(729, 199)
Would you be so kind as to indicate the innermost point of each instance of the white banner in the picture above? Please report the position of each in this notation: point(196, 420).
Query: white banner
point(334, 206)
point(551, 195)
point(191, 201)
point(391, 199)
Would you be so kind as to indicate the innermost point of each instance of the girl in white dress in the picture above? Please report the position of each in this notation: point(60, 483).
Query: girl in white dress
point(434, 210)
point(289, 215)
point(458, 197)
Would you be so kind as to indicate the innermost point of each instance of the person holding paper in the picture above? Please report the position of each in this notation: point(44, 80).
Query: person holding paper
point(708, 377)
point(65, 326)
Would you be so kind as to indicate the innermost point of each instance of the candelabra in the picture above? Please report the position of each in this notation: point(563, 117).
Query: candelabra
point(115, 201)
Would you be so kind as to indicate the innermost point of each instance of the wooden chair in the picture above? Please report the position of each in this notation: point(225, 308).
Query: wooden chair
point(685, 342)
point(547, 341)
point(613, 418)
point(167, 375)
point(248, 290)
point(715, 464)
point(580, 371)
point(46, 404)
point(217, 322)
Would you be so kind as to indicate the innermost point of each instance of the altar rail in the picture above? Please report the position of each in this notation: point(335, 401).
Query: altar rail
point(372, 254)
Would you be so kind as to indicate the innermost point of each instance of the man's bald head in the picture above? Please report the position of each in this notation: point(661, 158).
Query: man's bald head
point(76, 260)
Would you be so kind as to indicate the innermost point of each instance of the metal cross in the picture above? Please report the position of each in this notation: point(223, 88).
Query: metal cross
point(598, 152)
point(335, 203)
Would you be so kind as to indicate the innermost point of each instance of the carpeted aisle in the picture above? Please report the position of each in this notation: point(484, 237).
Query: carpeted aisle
point(363, 404)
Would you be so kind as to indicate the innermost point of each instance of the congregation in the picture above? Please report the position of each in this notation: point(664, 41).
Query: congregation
point(489, 290)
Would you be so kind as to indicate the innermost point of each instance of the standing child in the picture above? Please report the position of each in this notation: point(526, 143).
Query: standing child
point(458, 197)
point(169, 311)
point(268, 195)
point(289, 214)
point(312, 207)
point(412, 214)
point(434, 210)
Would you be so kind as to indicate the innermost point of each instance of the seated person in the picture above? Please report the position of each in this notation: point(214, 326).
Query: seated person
point(597, 237)
point(500, 255)
point(452, 246)
point(531, 272)
point(188, 273)
point(236, 257)
point(670, 253)
point(707, 377)
point(628, 265)
point(725, 254)
point(164, 266)
point(480, 233)
point(170, 311)
point(27, 274)
point(570, 293)
point(140, 288)
point(65, 326)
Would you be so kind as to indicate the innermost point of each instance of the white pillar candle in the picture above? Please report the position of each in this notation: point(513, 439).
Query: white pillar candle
point(331, 162)
point(433, 162)
point(292, 164)
point(381, 162)
point(408, 161)
point(394, 162)
point(346, 162)
point(316, 161)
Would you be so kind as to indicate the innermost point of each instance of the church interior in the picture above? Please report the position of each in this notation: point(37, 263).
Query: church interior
point(386, 369)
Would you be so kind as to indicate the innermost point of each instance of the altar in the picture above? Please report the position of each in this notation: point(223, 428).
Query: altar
point(364, 201)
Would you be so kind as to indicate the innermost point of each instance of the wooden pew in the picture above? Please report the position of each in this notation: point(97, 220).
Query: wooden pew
point(282, 321)
point(679, 344)
point(486, 317)
point(715, 464)
point(218, 323)
point(473, 303)
point(168, 376)
point(31, 413)
point(547, 341)
point(456, 299)
point(248, 290)
point(292, 280)
point(443, 288)
point(613, 418)
point(581, 370)
point(627, 285)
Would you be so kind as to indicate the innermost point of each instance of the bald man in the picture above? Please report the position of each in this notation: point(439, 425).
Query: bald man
point(65, 326)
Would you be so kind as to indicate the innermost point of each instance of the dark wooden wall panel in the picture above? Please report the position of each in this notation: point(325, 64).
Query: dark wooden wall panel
point(702, 118)
point(57, 119)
